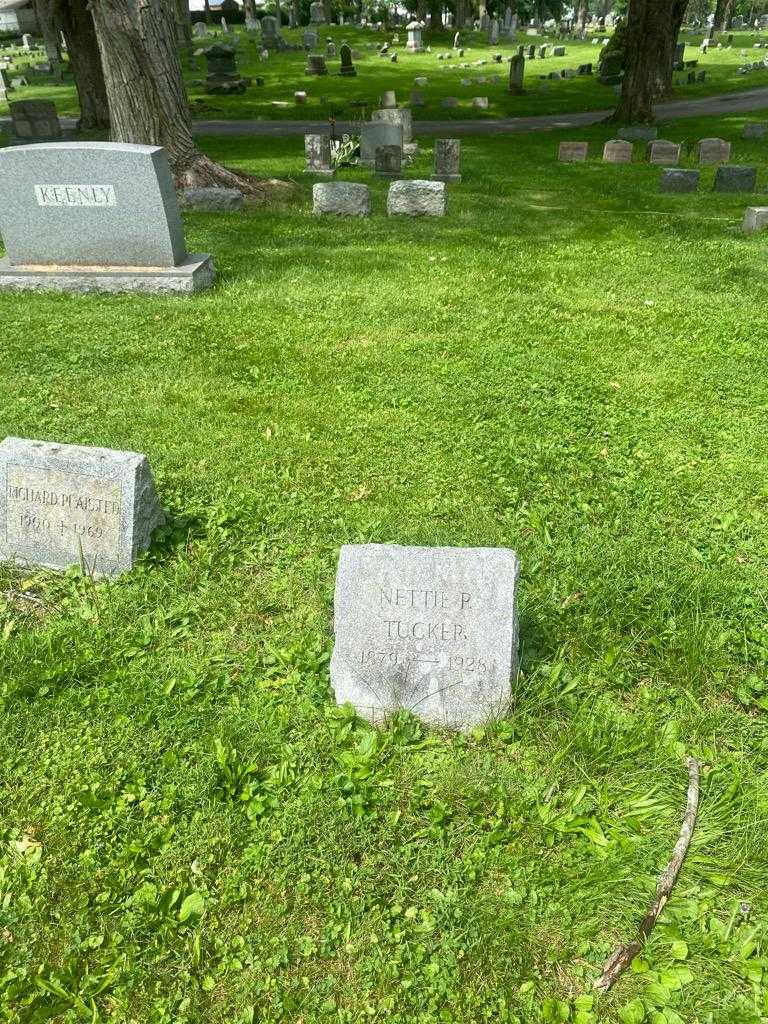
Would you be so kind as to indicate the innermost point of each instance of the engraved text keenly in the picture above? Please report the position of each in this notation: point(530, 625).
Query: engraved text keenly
point(75, 195)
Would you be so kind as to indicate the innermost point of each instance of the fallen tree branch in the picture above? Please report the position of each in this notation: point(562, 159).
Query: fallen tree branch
point(624, 955)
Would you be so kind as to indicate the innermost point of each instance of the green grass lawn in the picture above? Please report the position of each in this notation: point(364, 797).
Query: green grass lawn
point(569, 364)
point(283, 74)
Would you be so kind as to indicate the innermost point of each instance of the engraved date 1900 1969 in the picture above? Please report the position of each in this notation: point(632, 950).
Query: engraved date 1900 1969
point(399, 659)
point(36, 524)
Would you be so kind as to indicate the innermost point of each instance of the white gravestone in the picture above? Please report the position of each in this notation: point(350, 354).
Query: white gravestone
point(63, 505)
point(94, 216)
point(431, 630)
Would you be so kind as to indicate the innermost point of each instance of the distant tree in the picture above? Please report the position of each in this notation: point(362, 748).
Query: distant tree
point(44, 14)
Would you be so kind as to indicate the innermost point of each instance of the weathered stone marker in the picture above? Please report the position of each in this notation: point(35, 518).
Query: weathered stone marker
point(572, 152)
point(713, 151)
point(433, 630)
point(62, 505)
point(415, 198)
point(637, 133)
point(447, 160)
point(317, 152)
point(388, 162)
point(735, 178)
point(678, 179)
point(663, 153)
point(341, 198)
point(94, 216)
point(35, 120)
point(755, 219)
point(517, 73)
point(378, 133)
point(617, 151)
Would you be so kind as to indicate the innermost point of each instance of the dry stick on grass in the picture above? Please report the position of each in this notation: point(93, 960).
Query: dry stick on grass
point(624, 955)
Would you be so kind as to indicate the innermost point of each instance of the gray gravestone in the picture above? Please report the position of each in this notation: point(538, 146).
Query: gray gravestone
point(516, 73)
point(378, 133)
point(317, 151)
point(663, 153)
point(388, 162)
point(348, 69)
point(63, 505)
point(417, 199)
point(713, 151)
point(732, 178)
point(35, 120)
point(447, 160)
point(213, 200)
point(94, 216)
point(755, 130)
point(637, 133)
point(432, 630)
point(755, 219)
point(572, 152)
point(400, 116)
point(342, 198)
point(617, 151)
point(675, 179)
point(311, 40)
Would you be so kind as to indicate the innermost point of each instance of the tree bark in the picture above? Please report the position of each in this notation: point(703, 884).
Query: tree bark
point(581, 21)
point(207, 11)
point(436, 15)
point(44, 14)
point(719, 18)
point(296, 7)
point(648, 31)
point(148, 103)
point(183, 22)
point(73, 19)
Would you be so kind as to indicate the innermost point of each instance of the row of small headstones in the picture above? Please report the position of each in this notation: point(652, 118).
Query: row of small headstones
point(658, 151)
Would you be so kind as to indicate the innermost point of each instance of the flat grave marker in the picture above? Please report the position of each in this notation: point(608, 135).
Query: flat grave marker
point(432, 630)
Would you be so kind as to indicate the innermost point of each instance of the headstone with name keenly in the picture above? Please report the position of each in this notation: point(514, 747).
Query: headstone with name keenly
point(572, 152)
point(663, 153)
point(617, 151)
point(447, 160)
point(35, 120)
point(388, 162)
point(341, 198)
point(417, 198)
point(348, 69)
point(378, 133)
point(317, 151)
point(414, 44)
point(733, 178)
point(678, 179)
point(63, 505)
point(713, 151)
point(755, 219)
point(94, 216)
point(516, 73)
point(430, 630)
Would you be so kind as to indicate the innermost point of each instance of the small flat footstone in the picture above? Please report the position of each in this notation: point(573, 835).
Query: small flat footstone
point(212, 200)
point(343, 198)
point(417, 198)
point(430, 630)
point(64, 505)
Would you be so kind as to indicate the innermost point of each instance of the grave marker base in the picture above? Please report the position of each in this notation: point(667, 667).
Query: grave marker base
point(194, 274)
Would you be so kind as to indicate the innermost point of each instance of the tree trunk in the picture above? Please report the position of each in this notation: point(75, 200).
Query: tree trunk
point(719, 18)
point(44, 14)
point(436, 15)
point(421, 11)
point(183, 22)
point(142, 72)
point(648, 30)
point(667, 55)
point(296, 12)
point(207, 11)
point(73, 18)
point(581, 20)
point(461, 14)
